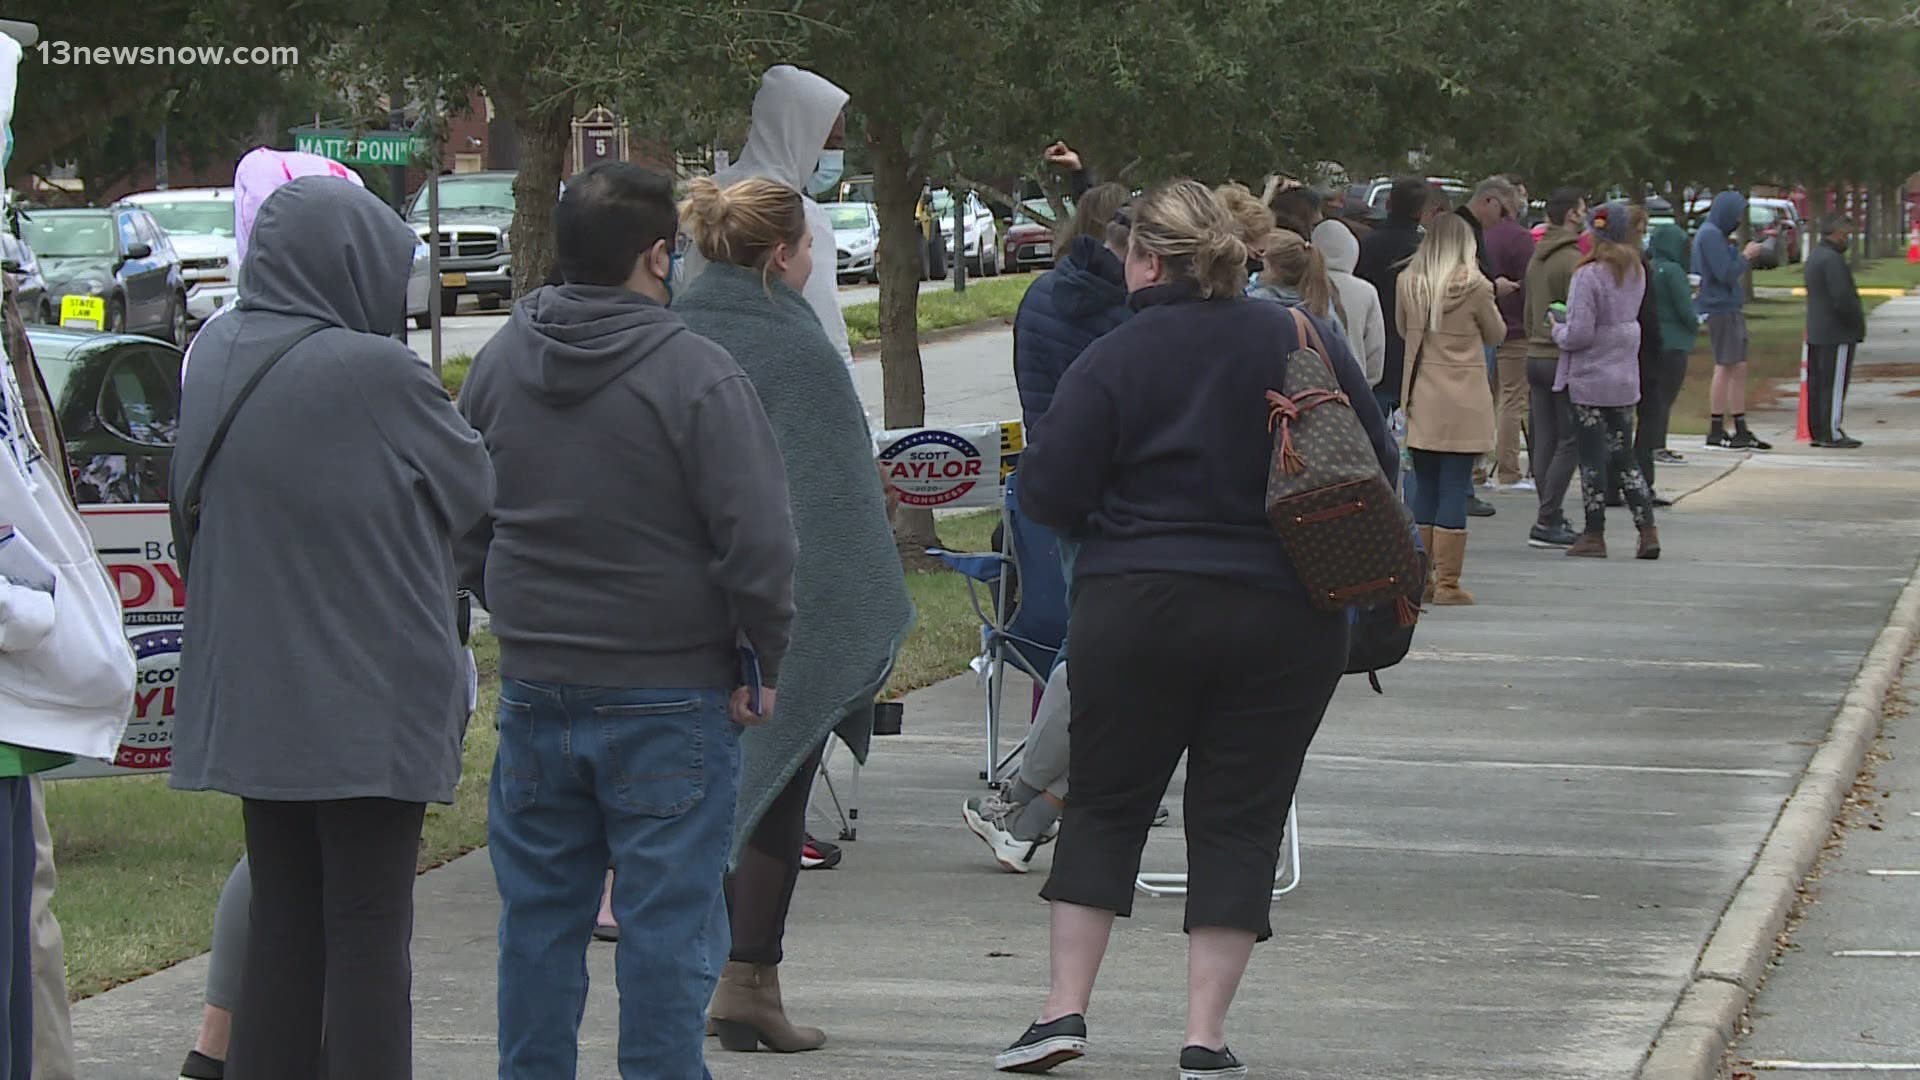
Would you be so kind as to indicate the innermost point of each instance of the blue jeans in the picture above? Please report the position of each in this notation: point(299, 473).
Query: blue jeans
point(1445, 484)
point(643, 781)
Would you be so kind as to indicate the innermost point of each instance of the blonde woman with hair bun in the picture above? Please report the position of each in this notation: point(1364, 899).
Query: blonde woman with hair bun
point(1192, 633)
point(850, 594)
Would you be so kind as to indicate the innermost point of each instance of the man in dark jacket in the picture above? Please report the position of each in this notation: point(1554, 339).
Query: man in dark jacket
point(1383, 254)
point(638, 563)
point(1836, 325)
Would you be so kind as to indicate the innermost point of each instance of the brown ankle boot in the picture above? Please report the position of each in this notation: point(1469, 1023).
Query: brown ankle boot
point(1426, 545)
point(1649, 544)
point(1449, 556)
point(747, 1013)
point(1589, 546)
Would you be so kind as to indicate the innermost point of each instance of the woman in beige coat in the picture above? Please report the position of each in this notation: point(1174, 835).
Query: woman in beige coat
point(1447, 315)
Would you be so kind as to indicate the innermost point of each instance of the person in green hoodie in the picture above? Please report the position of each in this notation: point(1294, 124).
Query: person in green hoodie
point(1549, 278)
point(1679, 331)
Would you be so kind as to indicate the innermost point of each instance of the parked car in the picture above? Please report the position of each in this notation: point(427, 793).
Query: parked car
point(476, 222)
point(933, 250)
point(1029, 242)
point(1789, 226)
point(856, 240)
point(117, 255)
point(1382, 186)
point(23, 272)
point(199, 222)
point(982, 247)
point(118, 400)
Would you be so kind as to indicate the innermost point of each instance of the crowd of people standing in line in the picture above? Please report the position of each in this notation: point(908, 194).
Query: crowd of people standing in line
point(647, 437)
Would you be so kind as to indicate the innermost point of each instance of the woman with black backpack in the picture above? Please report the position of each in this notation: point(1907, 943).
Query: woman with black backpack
point(1192, 632)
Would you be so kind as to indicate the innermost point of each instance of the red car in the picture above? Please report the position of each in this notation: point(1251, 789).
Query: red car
point(1029, 240)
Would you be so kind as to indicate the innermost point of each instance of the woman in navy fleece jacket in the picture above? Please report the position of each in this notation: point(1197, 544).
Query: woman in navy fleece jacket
point(1192, 633)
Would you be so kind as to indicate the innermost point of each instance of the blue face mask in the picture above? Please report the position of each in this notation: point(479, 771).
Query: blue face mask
point(673, 271)
point(827, 173)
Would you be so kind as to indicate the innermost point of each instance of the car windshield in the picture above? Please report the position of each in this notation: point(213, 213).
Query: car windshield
point(476, 193)
point(848, 217)
point(198, 217)
point(1036, 212)
point(64, 236)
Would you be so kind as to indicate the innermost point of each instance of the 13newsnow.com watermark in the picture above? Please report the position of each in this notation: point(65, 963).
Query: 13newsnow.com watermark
point(66, 53)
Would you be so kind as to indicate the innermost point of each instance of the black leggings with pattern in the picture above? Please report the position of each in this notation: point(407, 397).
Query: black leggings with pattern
point(1604, 435)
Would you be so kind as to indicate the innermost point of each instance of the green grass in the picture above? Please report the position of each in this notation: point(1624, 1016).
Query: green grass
point(1891, 273)
point(453, 371)
point(141, 865)
point(989, 298)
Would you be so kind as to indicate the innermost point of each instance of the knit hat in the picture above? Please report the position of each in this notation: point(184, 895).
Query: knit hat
point(1611, 221)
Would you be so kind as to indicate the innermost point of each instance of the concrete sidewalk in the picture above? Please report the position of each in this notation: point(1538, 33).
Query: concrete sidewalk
point(1512, 859)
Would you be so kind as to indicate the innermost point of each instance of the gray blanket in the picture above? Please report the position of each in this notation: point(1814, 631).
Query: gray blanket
point(850, 594)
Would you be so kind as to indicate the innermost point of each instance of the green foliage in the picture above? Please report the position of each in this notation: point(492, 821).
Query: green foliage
point(945, 309)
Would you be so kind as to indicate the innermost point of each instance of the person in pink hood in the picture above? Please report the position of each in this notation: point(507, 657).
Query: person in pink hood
point(259, 174)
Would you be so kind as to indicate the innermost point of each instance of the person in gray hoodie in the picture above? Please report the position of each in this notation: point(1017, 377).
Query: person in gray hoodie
point(638, 565)
point(322, 678)
point(798, 138)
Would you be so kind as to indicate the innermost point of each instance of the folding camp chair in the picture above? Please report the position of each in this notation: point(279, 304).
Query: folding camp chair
point(1288, 871)
point(1024, 632)
point(846, 813)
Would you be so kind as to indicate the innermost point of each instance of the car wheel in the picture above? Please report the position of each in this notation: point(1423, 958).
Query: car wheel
point(45, 313)
point(490, 301)
point(449, 302)
point(990, 259)
point(423, 321)
point(116, 316)
point(177, 322)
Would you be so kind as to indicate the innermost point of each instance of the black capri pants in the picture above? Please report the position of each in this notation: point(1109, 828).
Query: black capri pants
point(1235, 677)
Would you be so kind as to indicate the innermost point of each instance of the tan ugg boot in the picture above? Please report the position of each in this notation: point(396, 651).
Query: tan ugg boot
point(747, 1013)
point(1449, 555)
point(1426, 545)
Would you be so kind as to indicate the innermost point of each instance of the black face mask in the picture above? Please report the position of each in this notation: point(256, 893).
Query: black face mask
point(1841, 244)
point(1254, 266)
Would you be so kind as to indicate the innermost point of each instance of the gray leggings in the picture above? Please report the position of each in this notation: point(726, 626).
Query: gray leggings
point(230, 922)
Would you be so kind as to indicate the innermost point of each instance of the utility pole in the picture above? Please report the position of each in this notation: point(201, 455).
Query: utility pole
point(397, 121)
point(959, 234)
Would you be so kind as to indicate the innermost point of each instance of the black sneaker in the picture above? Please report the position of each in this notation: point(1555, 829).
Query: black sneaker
point(1200, 1063)
point(1718, 440)
point(819, 855)
point(1478, 507)
point(1047, 1045)
point(1747, 440)
point(1551, 536)
point(199, 1066)
point(1668, 457)
point(1841, 443)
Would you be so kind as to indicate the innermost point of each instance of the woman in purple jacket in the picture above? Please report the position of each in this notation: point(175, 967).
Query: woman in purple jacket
point(1599, 339)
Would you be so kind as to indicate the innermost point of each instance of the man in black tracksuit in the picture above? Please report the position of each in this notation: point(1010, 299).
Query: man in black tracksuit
point(1836, 324)
point(1383, 254)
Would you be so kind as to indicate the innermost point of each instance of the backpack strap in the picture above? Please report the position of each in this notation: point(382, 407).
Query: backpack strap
point(186, 508)
point(1308, 337)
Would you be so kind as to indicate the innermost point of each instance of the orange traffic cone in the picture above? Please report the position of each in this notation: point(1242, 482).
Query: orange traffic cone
point(1803, 431)
point(1913, 245)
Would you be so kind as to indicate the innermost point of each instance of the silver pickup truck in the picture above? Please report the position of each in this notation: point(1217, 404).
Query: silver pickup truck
point(476, 216)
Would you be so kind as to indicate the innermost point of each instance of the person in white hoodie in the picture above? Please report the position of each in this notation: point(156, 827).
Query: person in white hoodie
point(1359, 300)
point(66, 672)
point(798, 138)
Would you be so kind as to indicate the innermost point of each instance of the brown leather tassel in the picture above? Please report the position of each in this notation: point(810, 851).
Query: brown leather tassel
point(1291, 462)
point(1409, 612)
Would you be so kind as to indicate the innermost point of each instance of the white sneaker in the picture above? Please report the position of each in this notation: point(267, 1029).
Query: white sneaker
point(987, 816)
point(1525, 483)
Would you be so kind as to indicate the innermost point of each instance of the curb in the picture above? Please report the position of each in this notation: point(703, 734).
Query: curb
point(870, 350)
point(1693, 1042)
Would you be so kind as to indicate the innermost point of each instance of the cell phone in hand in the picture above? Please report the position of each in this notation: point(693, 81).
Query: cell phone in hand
point(750, 676)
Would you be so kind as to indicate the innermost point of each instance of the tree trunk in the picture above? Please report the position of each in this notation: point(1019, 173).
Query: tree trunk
point(545, 133)
point(897, 181)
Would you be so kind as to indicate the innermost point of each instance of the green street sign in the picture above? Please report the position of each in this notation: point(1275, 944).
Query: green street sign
point(363, 148)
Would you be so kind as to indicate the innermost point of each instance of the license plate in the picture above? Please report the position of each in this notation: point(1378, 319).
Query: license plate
point(84, 312)
point(453, 281)
point(1040, 250)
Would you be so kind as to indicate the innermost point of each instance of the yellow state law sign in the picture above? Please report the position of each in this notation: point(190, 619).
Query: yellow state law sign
point(83, 312)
